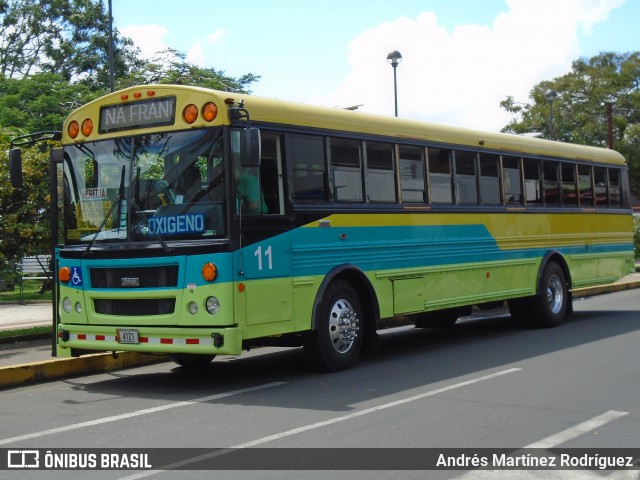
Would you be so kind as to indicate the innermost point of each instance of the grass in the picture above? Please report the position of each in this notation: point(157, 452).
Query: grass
point(26, 331)
point(30, 295)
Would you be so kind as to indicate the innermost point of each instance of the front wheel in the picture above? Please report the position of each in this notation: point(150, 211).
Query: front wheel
point(337, 340)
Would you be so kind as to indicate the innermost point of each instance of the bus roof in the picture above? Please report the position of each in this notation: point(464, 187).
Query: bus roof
point(276, 111)
point(279, 111)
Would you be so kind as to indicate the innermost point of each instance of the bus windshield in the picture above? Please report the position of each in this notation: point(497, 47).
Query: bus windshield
point(167, 186)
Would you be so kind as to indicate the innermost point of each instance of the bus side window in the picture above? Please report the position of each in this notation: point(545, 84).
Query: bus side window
point(511, 180)
point(551, 182)
point(585, 186)
point(412, 178)
point(615, 191)
point(569, 189)
point(600, 186)
point(308, 170)
point(465, 177)
point(489, 179)
point(347, 169)
point(271, 174)
point(440, 175)
point(532, 191)
point(381, 174)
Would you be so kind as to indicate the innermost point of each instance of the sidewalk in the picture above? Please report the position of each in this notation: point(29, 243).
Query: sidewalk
point(14, 316)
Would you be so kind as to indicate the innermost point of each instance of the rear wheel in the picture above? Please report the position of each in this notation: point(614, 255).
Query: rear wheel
point(337, 340)
point(550, 304)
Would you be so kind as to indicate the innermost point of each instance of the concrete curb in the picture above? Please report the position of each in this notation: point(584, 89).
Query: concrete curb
point(602, 289)
point(28, 373)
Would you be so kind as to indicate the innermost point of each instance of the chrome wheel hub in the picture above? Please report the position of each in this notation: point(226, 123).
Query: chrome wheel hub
point(555, 294)
point(343, 326)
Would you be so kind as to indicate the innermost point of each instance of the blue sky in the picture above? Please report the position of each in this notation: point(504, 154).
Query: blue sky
point(460, 57)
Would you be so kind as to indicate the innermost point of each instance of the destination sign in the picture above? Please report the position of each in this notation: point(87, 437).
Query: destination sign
point(151, 112)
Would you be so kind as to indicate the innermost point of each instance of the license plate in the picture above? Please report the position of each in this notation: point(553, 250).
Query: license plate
point(128, 335)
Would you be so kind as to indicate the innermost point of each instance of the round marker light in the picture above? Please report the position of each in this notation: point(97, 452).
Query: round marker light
point(209, 272)
point(213, 305)
point(190, 113)
point(87, 127)
point(193, 308)
point(64, 274)
point(66, 304)
point(73, 129)
point(210, 111)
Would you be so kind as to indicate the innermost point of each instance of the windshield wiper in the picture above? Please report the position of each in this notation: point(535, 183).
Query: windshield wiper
point(117, 203)
point(139, 211)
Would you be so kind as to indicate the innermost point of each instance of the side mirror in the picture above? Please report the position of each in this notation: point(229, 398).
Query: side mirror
point(250, 152)
point(15, 167)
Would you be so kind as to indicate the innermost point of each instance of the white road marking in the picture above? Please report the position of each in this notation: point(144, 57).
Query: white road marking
point(577, 430)
point(323, 423)
point(551, 442)
point(137, 413)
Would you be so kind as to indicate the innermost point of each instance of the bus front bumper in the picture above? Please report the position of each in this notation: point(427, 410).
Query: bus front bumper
point(211, 341)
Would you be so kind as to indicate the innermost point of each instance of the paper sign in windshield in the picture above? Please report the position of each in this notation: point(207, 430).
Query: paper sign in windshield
point(177, 224)
point(89, 194)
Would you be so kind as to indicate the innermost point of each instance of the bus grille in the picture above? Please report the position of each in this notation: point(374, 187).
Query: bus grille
point(139, 277)
point(135, 308)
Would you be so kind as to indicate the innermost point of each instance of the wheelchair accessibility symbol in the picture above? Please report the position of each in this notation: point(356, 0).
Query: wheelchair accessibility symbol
point(76, 276)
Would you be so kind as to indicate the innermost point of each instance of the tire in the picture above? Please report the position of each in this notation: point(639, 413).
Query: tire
point(550, 305)
point(337, 340)
point(189, 360)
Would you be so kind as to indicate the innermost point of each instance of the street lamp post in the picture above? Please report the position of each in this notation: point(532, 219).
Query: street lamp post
point(394, 58)
point(550, 95)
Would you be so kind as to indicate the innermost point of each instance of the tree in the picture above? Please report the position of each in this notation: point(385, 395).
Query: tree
point(580, 109)
point(25, 226)
point(65, 37)
point(53, 59)
point(39, 102)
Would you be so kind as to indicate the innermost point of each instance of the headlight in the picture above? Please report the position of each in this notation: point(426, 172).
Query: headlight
point(66, 304)
point(193, 308)
point(213, 305)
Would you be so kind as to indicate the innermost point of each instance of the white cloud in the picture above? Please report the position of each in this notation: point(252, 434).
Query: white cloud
point(195, 55)
point(148, 38)
point(459, 77)
point(216, 36)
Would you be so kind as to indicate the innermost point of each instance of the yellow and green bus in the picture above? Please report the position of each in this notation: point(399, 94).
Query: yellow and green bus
point(197, 223)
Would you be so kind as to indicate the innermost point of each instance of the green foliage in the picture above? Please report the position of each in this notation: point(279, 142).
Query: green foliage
point(39, 102)
point(66, 37)
point(30, 294)
point(580, 109)
point(53, 59)
point(25, 227)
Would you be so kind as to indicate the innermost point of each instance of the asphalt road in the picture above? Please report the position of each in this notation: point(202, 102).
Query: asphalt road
point(483, 384)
